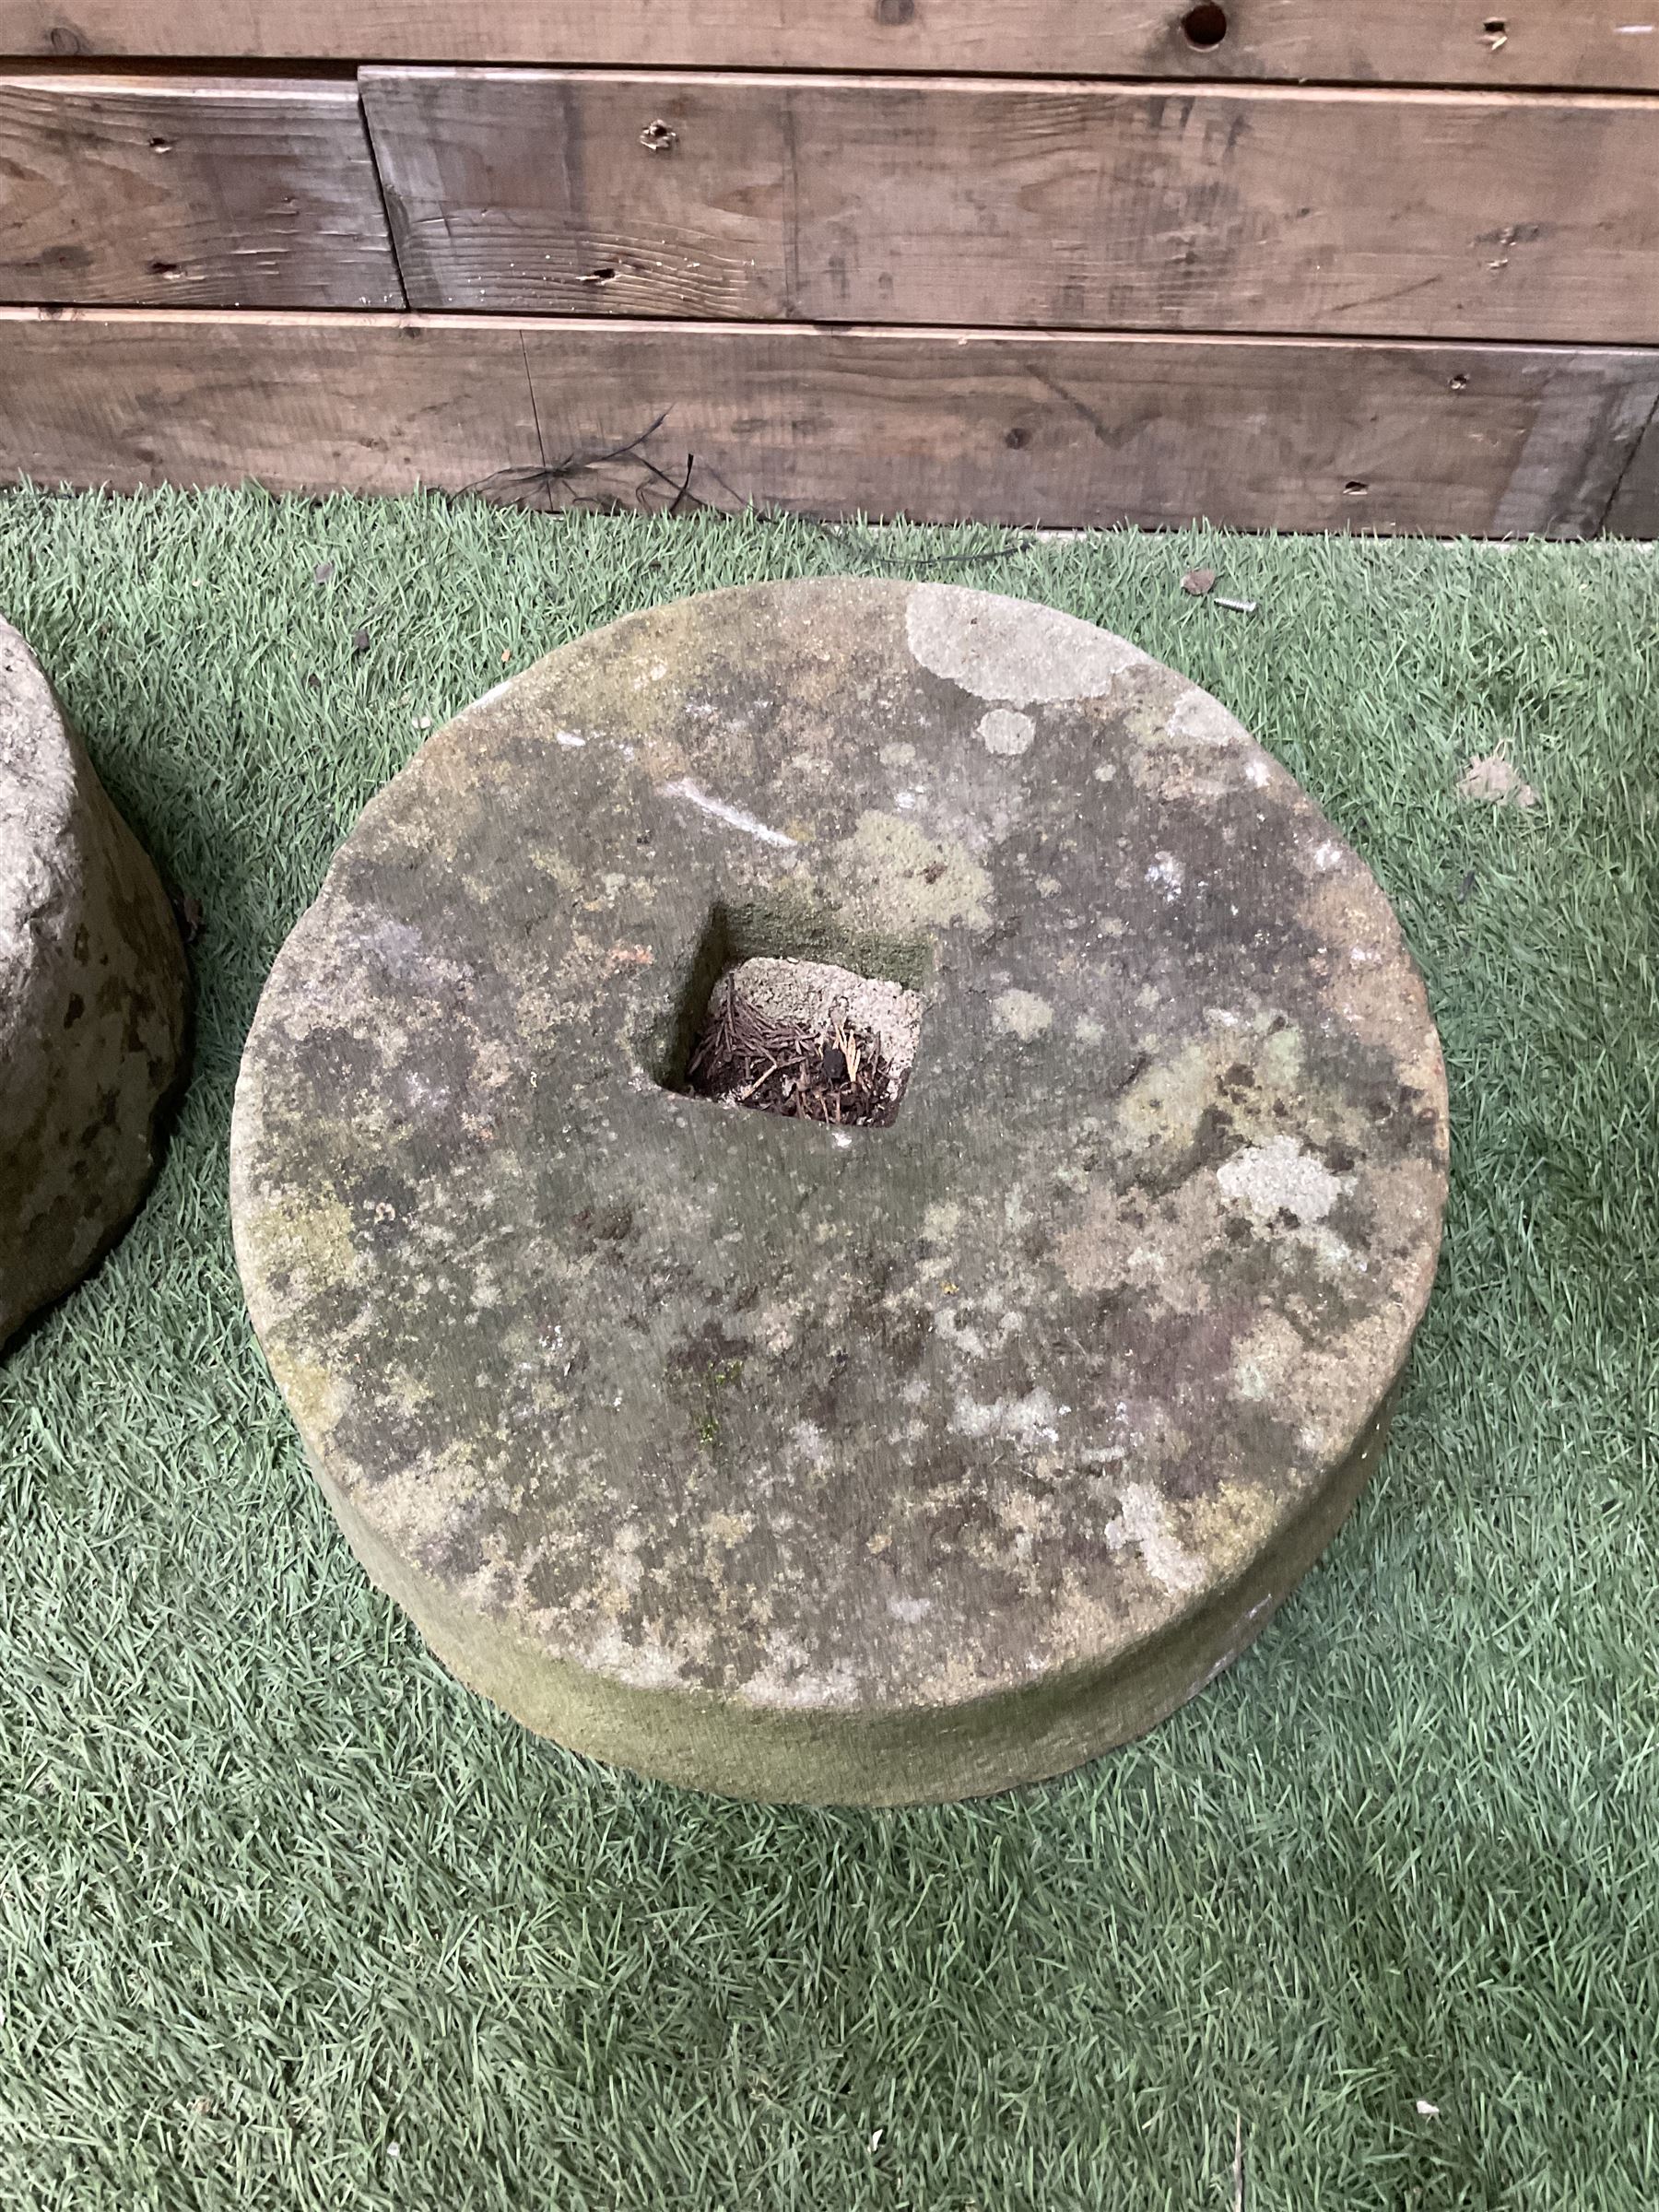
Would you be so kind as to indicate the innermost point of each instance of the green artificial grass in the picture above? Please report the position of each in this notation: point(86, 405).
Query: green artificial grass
point(291, 1920)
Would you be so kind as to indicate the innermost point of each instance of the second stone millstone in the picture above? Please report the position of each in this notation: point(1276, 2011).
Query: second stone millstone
point(970, 1405)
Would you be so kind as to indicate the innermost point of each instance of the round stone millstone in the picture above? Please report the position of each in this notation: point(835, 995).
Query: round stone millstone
point(92, 1002)
point(845, 1465)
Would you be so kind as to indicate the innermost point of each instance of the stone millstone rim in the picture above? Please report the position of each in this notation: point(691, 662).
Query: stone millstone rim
point(863, 1465)
point(93, 1002)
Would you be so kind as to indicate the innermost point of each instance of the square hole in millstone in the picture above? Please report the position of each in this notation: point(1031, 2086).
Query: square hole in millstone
point(806, 1038)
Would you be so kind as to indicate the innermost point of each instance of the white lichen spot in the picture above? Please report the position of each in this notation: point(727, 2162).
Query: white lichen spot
point(729, 1529)
point(787, 1680)
point(1281, 1176)
point(1258, 772)
point(567, 737)
point(1027, 1421)
point(1087, 1030)
point(1143, 1521)
point(1166, 874)
point(1251, 1379)
point(959, 1334)
point(1012, 651)
point(1021, 1014)
point(810, 1441)
point(1004, 731)
point(909, 1609)
point(1201, 719)
point(1334, 1253)
point(898, 755)
point(645, 1664)
point(1327, 856)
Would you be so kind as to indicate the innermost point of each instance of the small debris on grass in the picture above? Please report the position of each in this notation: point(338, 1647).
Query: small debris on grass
point(323, 573)
point(187, 912)
point(360, 643)
point(828, 1071)
point(1465, 887)
point(1491, 778)
point(1200, 584)
point(1428, 2111)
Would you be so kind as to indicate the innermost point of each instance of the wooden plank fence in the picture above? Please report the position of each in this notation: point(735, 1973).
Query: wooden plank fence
point(1279, 262)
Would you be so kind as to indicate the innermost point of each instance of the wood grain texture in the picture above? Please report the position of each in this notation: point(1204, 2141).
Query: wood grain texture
point(302, 403)
point(1053, 205)
point(1612, 44)
point(1045, 427)
point(207, 191)
point(1635, 509)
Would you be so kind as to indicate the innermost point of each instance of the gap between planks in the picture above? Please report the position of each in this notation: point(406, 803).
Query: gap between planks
point(618, 328)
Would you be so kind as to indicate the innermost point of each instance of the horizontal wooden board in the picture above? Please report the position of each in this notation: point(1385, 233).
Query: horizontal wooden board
point(1021, 204)
point(1609, 43)
point(1046, 428)
point(299, 403)
point(207, 191)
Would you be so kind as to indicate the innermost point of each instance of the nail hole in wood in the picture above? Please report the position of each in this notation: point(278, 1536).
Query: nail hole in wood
point(895, 13)
point(659, 137)
point(165, 268)
point(603, 275)
point(1460, 383)
point(1495, 27)
point(161, 146)
point(1204, 26)
point(1354, 490)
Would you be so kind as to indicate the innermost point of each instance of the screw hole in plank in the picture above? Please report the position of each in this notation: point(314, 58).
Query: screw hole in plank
point(1204, 26)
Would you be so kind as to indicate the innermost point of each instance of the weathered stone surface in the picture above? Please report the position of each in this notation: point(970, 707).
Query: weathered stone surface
point(875, 1465)
point(92, 1002)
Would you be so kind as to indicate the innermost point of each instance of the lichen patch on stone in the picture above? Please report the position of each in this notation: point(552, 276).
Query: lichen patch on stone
point(1022, 1014)
point(1145, 1523)
point(1281, 1176)
point(1007, 732)
point(901, 879)
point(1012, 651)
